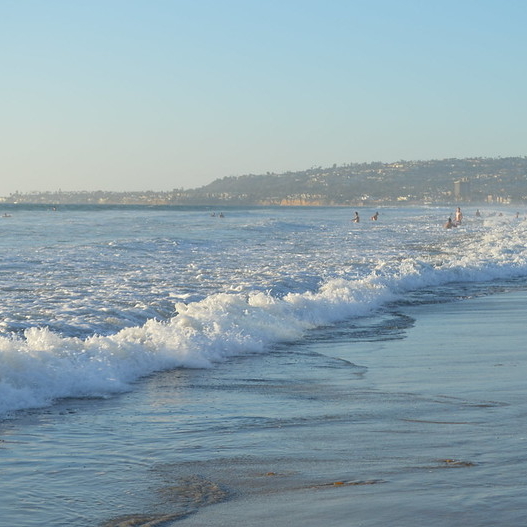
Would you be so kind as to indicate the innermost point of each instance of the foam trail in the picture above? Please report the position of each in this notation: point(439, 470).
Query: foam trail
point(41, 366)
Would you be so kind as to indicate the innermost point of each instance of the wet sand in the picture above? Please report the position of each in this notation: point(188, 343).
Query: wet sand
point(428, 430)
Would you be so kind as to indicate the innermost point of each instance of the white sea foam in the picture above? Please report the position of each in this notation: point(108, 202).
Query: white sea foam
point(40, 366)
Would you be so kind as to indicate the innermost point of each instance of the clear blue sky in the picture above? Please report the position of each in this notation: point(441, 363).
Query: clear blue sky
point(163, 94)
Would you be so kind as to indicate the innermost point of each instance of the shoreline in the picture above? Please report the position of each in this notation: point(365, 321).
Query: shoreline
point(421, 425)
point(453, 452)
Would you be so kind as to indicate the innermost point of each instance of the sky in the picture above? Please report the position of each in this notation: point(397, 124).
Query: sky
point(131, 95)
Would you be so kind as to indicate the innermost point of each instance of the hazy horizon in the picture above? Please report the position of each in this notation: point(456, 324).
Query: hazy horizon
point(131, 95)
point(124, 190)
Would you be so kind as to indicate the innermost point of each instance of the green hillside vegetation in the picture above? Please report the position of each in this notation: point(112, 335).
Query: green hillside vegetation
point(433, 181)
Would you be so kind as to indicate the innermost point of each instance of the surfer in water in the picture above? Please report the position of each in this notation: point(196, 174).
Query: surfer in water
point(356, 219)
point(375, 217)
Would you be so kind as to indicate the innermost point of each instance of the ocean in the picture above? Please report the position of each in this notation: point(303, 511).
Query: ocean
point(198, 366)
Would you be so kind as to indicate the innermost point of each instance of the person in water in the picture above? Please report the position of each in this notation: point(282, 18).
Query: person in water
point(375, 216)
point(459, 216)
point(449, 223)
point(356, 219)
point(478, 214)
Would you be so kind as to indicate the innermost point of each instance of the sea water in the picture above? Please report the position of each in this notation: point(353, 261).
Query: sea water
point(142, 347)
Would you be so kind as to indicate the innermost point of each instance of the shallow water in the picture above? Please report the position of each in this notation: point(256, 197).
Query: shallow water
point(431, 432)
point(426, 427)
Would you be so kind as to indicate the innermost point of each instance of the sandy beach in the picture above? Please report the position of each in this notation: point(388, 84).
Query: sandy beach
point(434, 433)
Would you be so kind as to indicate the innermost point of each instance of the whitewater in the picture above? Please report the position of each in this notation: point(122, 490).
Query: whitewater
point(96, 297)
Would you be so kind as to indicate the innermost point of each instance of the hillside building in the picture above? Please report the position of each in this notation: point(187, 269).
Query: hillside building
point(462, 189)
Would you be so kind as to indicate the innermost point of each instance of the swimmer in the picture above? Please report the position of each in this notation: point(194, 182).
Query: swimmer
point(478, 214)
point(449, 223)
point(375, 216)
point(356, 219)
point(459, 216)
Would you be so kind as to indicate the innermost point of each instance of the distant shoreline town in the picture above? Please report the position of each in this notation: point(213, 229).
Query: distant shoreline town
point(470, 180)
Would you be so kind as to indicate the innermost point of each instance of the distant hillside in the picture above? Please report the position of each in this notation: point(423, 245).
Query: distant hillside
point(476, 180)
point(501, 179)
